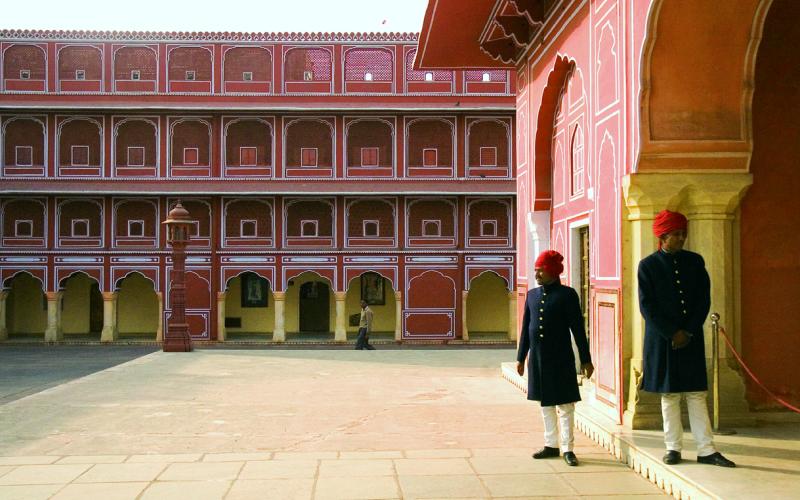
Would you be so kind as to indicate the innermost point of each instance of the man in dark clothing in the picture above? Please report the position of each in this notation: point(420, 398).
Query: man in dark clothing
point(551, 311)
point(674, 298)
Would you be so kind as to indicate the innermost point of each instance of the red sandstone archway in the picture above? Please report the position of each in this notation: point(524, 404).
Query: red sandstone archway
point(696, 93)
point(543, 142)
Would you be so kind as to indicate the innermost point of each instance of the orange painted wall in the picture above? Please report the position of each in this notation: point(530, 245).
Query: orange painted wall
point(770, 238)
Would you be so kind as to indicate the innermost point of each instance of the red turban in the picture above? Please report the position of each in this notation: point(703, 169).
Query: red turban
point(551, 261)
point(666, 222)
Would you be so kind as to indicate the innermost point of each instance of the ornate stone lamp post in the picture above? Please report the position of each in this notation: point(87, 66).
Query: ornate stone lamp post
point(176, 338)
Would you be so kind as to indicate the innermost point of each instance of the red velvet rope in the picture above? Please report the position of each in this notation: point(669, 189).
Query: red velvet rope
point(752, 375)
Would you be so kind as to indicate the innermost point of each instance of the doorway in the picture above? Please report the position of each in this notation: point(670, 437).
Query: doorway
point(314, 307)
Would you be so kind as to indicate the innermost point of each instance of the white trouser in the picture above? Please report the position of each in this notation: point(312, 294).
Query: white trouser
point(566, 419)
point(698, 419)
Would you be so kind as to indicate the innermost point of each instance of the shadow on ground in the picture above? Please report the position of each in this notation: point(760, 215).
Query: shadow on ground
point(26, 370)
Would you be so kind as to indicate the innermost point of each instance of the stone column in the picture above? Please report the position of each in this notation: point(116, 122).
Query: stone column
point(340, 332)
point(110, 332)
point(3, 324)
point(160, 328)
point(53, 333)
point(398, 316)
point(464, 328)
point(279, 333)
point(221, 334)
point(512, 315)
point(710, 202)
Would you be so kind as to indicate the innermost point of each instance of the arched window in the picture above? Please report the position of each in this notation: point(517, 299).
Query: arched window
point(577, 161)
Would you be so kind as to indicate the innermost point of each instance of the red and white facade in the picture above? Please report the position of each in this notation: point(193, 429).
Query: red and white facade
point(294, 153)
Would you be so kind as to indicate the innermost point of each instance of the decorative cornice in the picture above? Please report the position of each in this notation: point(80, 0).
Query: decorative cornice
point(202, 36)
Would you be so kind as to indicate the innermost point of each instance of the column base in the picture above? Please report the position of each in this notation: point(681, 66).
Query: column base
point(51, 335)
point(644, 408)
point(177, 339)
point(108, 334)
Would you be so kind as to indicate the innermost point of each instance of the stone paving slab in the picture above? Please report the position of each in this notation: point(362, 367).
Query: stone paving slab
point(223, 424)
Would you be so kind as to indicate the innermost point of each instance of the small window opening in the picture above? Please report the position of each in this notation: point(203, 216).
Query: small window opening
point(308, 76)
point(190, 76)
point(191, 156)
point(486, 77)
point(247, 76)
point(428, 76)
point(371, 228)
point(135, 228)
point(80, 74)
point(136, 74)
point(23, 228)
point(248, 228)
point(431, 228)
point(24, 74)
point(80, 228)
point(309, 228)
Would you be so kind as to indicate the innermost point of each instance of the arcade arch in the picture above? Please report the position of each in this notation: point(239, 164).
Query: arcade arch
point(25, 307)
point(380, 295)
point(249, 308)
point(310, 310)
point(487, 307)
point(137, 308)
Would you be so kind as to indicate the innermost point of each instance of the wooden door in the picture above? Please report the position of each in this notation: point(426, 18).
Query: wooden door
point(314, 307)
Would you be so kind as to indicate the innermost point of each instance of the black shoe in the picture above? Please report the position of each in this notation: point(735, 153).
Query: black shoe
point(672, 457)
point(716, 459)
point(359, 348)
point(570, 458)
point(370, 347)
point(546, 452)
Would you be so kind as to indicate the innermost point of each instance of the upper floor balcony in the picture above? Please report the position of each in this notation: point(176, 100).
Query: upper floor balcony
point(234, 70)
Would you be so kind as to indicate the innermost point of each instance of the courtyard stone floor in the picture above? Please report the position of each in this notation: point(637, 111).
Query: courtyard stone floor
point(285, 424)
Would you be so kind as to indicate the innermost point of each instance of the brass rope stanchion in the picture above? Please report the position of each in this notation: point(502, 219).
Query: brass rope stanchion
point(715, 372)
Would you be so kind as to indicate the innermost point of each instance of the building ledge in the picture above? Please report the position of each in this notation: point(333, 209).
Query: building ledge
point(767, 456)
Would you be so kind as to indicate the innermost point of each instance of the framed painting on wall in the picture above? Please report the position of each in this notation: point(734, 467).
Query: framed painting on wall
point(254, 290)
point(372, 289)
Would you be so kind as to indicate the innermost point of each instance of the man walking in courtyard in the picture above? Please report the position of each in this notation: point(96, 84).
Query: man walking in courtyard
point(364, 328)
point(552, 311)
point(674, 298)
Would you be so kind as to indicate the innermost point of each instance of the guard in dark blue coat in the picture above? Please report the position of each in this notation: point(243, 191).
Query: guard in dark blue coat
point(674, 298)
point(552, 311)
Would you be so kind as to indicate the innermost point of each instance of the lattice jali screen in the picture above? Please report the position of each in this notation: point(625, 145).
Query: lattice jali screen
point(135, 210)
point(431, 210)
point(191, 134)
point(19, 57)
point(23, 133)
point(79, 210)
point(236, 211)
point(369, 134)
point(83, 58)
point(495, 75)
point(183, 59)
point(249, 134)
point(79, 133)
point(136, 134)
point(301, 60)
point(413, 75)
point(309, 134)
point(377, 62)
point(309, 210)
point(23, 210)
point(430, 134)
point(140, 59)
point(376, 210)
point(488, 134)
point(255, 60)
point(488, 210)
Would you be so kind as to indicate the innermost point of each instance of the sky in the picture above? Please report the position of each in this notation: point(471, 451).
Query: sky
point(202, 15)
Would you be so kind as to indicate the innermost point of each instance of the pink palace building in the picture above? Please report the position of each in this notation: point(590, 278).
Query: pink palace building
point(319, 169)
